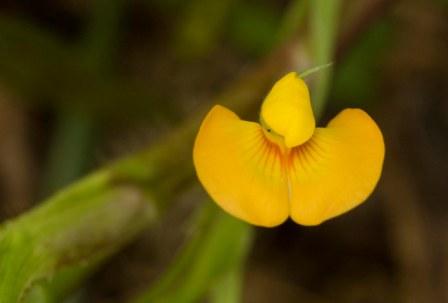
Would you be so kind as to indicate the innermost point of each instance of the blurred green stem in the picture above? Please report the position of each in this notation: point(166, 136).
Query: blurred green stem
point(78, 225)
point(104, 30)
point(293, 19)
point(324, 29)
point(229, 288)
point(219, 243)
point(69, 150)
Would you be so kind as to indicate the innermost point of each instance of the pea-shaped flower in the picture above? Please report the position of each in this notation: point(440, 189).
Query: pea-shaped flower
point(286, 166)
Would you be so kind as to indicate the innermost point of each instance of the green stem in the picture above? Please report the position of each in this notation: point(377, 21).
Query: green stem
point(324, 25)
point(228, 288)
point(218, 243)
point(293, 19)
point(77, 226)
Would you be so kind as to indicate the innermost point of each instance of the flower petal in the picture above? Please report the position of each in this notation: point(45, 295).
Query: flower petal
point(241, 170)
point(336, 169)
point(287, 110)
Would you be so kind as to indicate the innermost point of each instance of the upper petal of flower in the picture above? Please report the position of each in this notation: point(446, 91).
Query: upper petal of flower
point(336, 169)
point(241, 170)
point(287, 110)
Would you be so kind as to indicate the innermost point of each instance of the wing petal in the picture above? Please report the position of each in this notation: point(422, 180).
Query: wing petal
point(242, 171)
point(337, 169)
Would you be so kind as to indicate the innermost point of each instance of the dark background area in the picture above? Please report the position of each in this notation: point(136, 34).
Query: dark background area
point(77, 93)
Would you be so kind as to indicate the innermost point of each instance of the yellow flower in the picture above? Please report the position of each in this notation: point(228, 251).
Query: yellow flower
point(287, 166)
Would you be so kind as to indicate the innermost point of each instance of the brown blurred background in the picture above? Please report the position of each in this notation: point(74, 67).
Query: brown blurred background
point(75, 94)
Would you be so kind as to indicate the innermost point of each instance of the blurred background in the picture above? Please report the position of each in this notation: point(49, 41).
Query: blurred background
point(83, 83)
